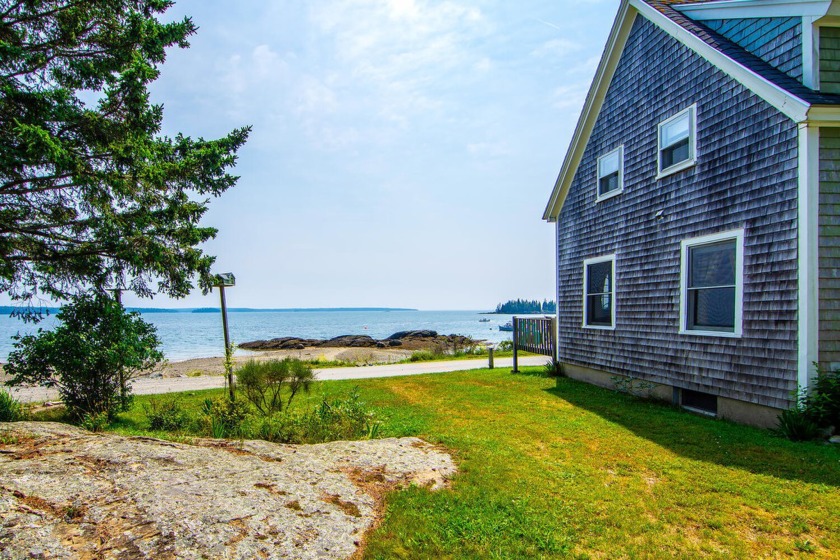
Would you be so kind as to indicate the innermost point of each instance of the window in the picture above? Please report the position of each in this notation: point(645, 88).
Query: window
point(611, 173)
point(712, 285)
point(599, 292)
point(677, 142)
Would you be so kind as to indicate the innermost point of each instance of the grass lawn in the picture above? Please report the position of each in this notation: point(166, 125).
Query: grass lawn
point(553, 468)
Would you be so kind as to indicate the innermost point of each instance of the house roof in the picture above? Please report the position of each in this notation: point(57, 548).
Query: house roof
point(777, 88)
point(738, 53)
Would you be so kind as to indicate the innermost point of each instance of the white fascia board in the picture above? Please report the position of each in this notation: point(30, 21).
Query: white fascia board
point(824, 115)
point(592, 106)
point(742, 9)
point(788, 104)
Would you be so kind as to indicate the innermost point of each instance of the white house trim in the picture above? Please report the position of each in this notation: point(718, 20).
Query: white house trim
point(810, 53)
point(782, 100)
point(737, 9)
point(808, 285)
point(613, 302)
point(738, 236)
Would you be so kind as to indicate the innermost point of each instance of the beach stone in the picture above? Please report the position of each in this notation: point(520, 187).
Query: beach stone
point(413, 334)
point(350, 341)
point(68, 493)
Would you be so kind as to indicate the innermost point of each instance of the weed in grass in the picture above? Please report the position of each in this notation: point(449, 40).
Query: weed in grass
point(195, 373)
point(805, 546)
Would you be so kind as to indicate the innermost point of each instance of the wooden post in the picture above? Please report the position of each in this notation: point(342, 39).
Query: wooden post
point(490, 355)
point(229, 369)
point(515, 336)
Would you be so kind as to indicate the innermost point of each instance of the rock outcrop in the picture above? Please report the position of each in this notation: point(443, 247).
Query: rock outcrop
point(410, 340)
point(68, 493)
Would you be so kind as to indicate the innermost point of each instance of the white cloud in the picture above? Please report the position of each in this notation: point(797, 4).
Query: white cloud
point(556, 49)
point(570, 96)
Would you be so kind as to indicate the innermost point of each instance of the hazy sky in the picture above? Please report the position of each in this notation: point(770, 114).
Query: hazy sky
point(402, 151)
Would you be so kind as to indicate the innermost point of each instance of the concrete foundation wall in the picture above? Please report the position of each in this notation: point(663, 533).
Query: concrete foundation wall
point(730, 409)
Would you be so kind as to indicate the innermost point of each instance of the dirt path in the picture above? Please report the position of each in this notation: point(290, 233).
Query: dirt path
point(154, 386)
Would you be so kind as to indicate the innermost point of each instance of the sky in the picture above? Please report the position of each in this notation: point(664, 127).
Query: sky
point(402, 151)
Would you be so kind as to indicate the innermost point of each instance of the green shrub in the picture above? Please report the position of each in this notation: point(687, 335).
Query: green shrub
point(815, 412)
point(797, 425)
point(264, 383)
point(10, 409)
point(95, 421)
point(339, 419)
point(166, 415)
point(222, 417)
point(344, 418)
point(505, 346)
point(823, 404)
point(96, 348)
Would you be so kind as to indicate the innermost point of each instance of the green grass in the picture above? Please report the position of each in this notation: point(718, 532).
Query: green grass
point(557, 468)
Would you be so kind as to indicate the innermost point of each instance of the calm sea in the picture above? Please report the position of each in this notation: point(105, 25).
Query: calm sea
point(199, 335)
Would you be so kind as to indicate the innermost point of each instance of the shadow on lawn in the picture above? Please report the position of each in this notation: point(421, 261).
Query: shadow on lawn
point(705, 439)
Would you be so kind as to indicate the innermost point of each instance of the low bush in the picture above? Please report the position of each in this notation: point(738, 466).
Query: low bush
point(797, 425)
point(816, 413)
point(95, 421)
point(222, 417)
point(166, 415)
point(342, 418)
point(263, 383)
point(10, 409)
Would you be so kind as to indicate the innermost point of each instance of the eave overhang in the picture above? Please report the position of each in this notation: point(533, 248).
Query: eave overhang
point(787, 103)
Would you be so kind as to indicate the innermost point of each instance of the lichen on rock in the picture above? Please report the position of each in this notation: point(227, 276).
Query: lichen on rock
point(68, 493)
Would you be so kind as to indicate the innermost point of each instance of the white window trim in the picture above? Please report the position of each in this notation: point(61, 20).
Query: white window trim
point(738, 236)
point(692, 143)
point(598, 196)
point(586, 263)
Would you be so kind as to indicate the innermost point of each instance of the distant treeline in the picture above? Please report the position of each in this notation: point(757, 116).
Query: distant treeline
point(524, 306)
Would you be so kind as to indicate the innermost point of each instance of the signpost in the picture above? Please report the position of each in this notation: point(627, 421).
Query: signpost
point(226, 280)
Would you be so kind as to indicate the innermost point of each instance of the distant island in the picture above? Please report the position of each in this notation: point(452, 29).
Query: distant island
point(526, 307)
point(8, 309)
point(297, 309)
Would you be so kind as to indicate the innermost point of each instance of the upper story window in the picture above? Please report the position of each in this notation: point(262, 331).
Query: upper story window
point(677, 142)
point(599, 292)
point(611, 173)
point(712, 284)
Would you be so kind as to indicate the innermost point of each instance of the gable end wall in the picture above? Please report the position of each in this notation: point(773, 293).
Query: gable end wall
point(777, 41)
point(745, 177)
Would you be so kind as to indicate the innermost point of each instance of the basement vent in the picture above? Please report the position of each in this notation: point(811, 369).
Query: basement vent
point(699, 402)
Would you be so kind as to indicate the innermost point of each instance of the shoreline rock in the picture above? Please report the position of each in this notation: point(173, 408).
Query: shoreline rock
point(410, 340)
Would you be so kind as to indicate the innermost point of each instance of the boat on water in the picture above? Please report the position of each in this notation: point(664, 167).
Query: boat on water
point(485, 320)
point(507, 327)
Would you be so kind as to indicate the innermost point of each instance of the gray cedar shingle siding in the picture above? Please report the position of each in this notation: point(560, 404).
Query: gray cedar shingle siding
point(745, 177)
point(829, 246)
point(777, 41)
point(830, 59)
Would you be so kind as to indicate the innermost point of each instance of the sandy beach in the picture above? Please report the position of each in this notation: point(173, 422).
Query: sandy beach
point(215, 366)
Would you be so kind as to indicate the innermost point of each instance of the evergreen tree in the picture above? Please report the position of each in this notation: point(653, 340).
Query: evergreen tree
point(91, 195)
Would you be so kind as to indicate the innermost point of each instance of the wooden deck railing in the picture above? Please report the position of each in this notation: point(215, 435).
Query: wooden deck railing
point(534, 334)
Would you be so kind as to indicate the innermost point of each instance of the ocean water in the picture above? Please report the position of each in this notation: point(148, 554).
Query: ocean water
point(199, 335)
